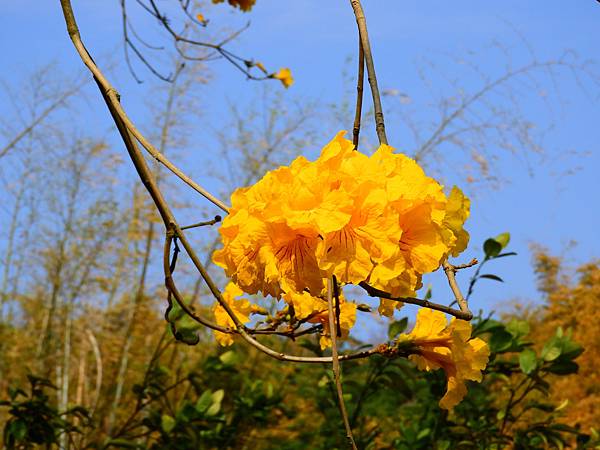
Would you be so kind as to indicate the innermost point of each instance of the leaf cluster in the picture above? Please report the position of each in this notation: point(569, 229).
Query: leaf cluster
point(34, 420)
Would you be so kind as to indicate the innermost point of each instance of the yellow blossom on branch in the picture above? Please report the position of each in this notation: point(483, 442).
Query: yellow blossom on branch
point(316, 310)
point(241, 307)
point(457, 212)
point(285, 76)
point(437, 344)
point(377, 219)
point(244, 5)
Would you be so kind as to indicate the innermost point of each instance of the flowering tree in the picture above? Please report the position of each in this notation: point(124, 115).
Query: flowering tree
point(304, 232)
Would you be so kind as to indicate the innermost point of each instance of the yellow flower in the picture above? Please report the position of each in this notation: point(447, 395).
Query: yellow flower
point(430, 224)
point(348, 251)
point(285, 76)
point(200, 18)
point(457, 212)
point(274, 228)
point(241, 307)
point(437, 344)
point(316, 310)
point(244, 5)
point(261, 67)
point(378, 219)
point(387, 307)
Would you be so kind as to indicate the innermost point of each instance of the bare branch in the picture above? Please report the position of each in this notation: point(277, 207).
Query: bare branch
point(374, 292)
point(359, 93)
point(190, 23)
point(40, 118)
point(364, 37)
point(335, 361)
point(450, 272)
point(113, 98)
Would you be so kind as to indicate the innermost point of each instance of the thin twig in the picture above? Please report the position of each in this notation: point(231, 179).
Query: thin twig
point(359, 93)
point(336, 296)
point(113, 98)
point(471, 263)
point(56, 104)
point(474, 279)
point(180, 38)
point(374, 292)
point(335, 364)
point(450, 271)
point(172, 288)
point(217, 219)
point(364, 38)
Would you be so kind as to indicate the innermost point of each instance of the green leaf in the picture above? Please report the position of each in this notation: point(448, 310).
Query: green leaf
point(167, 423)
point(175, 312)
point(188, 336)
point(571, 350)
point(563, 405)
point(183, 327)
point(428, 294)
point(560, 346)
point(563, 367)
point(229, 358)
point(527, 361)
point(490, 276)
point(500, 340)
point(546, 407)
point(269, 393)
point(18, 429)
point(488, 326)
point(217, 396)
point(324, 381)
point(423, 433)
point(213, 410)
point(443, 445)
point(204, 401)
point(14, 393)
point(503, 239)
point(397, 327)
point(492, 248)
point(550, 353)
point(518, 328)
point(559, 332)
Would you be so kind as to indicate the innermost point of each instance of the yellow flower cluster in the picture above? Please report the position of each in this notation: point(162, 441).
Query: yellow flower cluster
point(439, 345)
point(242, 309)
point(244, 5)
point(377, 219)
point(316, 310)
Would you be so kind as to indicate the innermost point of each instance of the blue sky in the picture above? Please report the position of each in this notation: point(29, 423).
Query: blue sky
point(536, 203)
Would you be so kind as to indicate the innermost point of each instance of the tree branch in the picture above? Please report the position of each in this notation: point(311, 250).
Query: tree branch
point(374, 292)
point(112, 98)
point(359, 93)
point(364, 38)
point(450, 271)
point(335, 363)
